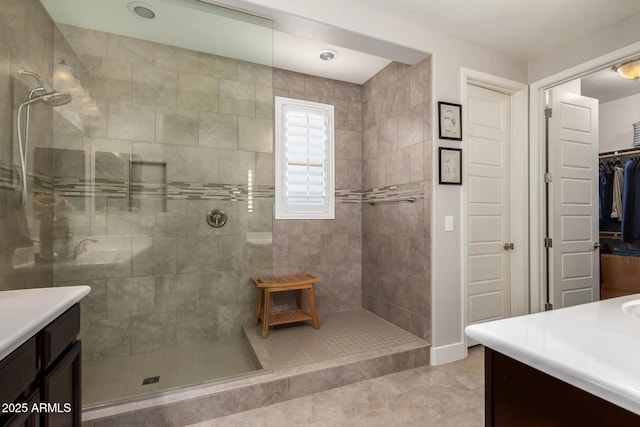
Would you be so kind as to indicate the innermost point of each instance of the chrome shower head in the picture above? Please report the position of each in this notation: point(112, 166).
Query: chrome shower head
point(53, 99)
point(56, 99)
point(46, 86)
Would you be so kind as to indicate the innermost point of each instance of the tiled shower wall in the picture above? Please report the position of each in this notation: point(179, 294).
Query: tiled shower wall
point(397, 165)
point(198, 129)
point(330, 249)
point(26, 41)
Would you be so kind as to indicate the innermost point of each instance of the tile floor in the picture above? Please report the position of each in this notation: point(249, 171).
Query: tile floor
point(446, 395)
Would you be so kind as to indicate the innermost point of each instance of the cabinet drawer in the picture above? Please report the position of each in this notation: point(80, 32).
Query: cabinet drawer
point(57, 336)
point(17, 371)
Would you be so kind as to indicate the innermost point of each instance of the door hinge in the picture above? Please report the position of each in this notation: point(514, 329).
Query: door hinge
point(548, 178)
point(548, 306)
point(548, 113)
point(548, 242)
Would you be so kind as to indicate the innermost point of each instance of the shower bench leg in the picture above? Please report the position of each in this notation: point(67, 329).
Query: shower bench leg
point(256, 319)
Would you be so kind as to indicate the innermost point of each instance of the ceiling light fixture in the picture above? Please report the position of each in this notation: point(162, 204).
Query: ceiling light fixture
point(141, 10)
point(629, 70)
point(327, 54)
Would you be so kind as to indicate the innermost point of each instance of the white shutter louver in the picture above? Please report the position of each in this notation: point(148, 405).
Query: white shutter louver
point(304, 159)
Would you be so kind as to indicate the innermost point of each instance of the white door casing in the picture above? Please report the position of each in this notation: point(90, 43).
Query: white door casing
point(573, 200)
point(487, 202)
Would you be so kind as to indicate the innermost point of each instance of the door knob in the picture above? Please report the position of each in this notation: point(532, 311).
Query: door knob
point(596, 245)
point(508, 246)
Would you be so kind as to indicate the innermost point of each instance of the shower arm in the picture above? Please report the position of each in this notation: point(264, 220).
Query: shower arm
point(43, 84)
point(26, 124)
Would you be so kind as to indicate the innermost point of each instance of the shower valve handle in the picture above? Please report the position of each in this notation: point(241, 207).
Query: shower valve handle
point(216, 218)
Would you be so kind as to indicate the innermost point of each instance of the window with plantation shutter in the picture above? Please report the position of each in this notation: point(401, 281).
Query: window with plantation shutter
point(304, 159)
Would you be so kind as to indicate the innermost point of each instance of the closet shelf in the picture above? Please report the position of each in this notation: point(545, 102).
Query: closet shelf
point(610, 235)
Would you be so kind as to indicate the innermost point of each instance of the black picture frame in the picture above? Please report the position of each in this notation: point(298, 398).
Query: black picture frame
point(450, 166)
point(450, 121)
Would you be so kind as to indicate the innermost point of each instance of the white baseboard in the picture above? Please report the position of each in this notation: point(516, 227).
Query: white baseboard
point(448, 353)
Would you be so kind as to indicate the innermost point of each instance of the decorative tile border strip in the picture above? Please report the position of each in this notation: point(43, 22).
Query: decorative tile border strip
point(10, 179)
point(180, 190)
point(214, 191)
point(394, 192)
point(7, 172)
point(107, 187)
point(41, 184)
point(348, 196)
point(80, 187)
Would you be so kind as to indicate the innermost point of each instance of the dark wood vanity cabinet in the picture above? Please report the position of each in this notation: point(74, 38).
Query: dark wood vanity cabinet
point(40, 381)
point(519, 395)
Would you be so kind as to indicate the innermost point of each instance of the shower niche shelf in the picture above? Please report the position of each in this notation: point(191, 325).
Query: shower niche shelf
point(147, 186)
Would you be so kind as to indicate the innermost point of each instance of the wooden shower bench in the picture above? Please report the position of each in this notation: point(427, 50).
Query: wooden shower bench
point(297, 282)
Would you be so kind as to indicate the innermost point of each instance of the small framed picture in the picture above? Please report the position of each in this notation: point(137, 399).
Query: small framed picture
point(450, 118)
point(450, 169)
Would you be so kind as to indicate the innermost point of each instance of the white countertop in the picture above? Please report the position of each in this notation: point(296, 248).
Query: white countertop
point(24, 312)
point(595, 347)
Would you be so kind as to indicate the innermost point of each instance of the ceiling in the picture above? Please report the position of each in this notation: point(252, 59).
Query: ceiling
point(521, 29)
point(607, 85)
point(207, 28)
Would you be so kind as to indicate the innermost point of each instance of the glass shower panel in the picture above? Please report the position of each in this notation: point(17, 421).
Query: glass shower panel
point(170, 118)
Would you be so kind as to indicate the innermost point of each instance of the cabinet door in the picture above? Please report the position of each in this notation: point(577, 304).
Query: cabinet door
point(18, 371)
point(28, 418)
point(59, 334)
point(61, 390)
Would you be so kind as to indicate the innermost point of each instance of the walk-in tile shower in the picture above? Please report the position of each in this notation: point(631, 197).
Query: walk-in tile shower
point(171, 117)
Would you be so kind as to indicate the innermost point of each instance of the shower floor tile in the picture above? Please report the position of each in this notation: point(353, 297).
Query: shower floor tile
point(120, 378)
point(343, 335)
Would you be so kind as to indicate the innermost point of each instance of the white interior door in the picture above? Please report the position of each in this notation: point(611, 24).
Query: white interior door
point(488, 160)
point(573, 148)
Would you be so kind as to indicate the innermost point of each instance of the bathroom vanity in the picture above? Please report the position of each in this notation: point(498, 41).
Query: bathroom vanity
point(40, 357)
point(574, 366)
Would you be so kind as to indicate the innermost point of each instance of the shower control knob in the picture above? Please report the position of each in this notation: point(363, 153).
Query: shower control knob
point(216, 218)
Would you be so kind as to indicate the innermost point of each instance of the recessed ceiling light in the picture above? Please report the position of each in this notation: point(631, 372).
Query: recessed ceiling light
point(327, 54)
point(141, 10)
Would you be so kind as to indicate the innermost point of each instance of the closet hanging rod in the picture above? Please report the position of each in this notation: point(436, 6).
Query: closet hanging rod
point(619, 153)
